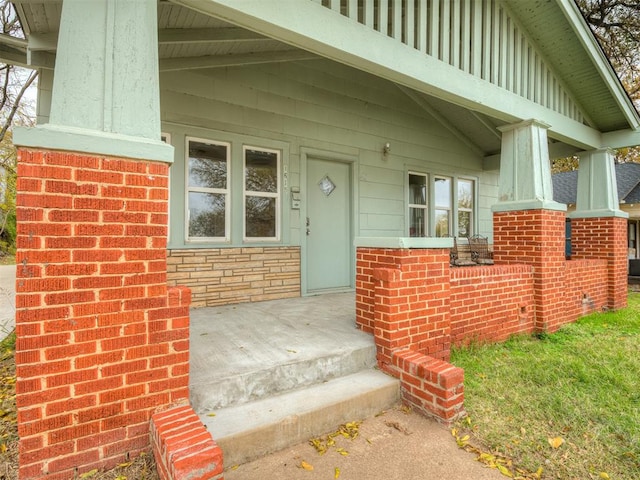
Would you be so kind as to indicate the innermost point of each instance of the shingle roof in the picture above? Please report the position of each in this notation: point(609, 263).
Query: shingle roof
point(565, 184)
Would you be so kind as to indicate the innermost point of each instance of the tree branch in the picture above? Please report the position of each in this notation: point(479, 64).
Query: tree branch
point(16, 104)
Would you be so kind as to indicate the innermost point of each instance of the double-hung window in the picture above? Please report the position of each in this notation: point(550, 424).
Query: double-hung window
point(442, 189)
point(208, 190)
point(440, 206)
point(465, 207)
point(418, 212)
point(261, 194)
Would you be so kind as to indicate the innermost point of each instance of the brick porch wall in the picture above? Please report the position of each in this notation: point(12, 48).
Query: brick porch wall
point(221, 276)
point(102, 342)
point(586, 287)
point(491, 303)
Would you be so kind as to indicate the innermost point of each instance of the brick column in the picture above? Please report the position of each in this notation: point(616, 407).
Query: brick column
point(606, 238)
point(536, 237)
point(410, 298)
point(102, 343)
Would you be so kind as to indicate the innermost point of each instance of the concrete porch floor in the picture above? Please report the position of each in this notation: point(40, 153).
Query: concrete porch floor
point(232, 346)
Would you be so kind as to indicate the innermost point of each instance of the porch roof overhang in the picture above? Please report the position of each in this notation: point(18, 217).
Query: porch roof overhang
point(310, 26)
point(197, 34)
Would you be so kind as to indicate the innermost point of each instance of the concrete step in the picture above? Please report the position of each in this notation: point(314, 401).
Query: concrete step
point(296, 370)
point(248, 431)
point(250, 351)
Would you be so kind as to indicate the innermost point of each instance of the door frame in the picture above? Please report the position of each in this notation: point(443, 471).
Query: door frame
point(307, 153)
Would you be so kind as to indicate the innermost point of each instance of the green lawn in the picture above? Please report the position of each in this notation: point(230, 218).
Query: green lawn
point(578, 388)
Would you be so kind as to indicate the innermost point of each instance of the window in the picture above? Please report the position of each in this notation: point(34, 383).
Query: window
point(261, 194)
point(207, 190)
point(442, 189)
point(448, 214)
point(418, 213)
point(465, 208)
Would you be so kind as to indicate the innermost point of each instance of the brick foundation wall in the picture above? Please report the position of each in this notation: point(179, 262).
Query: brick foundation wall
point(222, 276)
point(491, 303)
point(605, 238)
point(102, 342)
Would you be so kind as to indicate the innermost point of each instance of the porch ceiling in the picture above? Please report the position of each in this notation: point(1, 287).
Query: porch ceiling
point(188, 39)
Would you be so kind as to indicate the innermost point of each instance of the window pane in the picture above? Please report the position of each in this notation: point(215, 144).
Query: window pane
point(206, 214)
point(442, 223)
point(464, 224)
point(417, 189)
point(260, 217)
point(443, 192)
point(465, 194)
point(261, 171)
point(418, 224)
point(207, 165)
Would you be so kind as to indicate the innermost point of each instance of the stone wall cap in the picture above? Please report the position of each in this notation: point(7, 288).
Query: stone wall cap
point(403, 242)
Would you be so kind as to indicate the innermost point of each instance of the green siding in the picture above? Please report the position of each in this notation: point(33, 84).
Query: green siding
point(323, 106)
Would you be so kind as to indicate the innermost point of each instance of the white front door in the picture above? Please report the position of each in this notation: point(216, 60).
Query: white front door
point(329, 255)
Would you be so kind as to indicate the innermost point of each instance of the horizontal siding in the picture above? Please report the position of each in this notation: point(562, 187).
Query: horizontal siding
point(324, 106)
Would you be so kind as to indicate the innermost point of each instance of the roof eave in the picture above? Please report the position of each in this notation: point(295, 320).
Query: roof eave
point(600, 60)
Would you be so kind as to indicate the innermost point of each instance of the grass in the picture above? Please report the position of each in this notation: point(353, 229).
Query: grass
point(580, 385)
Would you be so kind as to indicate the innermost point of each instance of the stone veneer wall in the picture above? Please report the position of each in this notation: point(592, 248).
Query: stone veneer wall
point(221, 276)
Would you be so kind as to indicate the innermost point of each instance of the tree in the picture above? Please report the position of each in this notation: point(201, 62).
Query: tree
point(15, 108)
point(616, 26)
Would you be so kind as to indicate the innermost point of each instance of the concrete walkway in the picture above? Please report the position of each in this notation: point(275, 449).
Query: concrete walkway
point(392, 446)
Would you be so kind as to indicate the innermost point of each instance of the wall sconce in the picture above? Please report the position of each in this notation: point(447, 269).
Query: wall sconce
point(386, 149)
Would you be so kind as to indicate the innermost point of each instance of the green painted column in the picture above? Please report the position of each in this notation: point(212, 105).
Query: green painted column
point(597, 194)
point(105, 97)
point(525, 169)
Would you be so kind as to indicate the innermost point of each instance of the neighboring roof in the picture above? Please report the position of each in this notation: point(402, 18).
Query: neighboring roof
point(565, 184)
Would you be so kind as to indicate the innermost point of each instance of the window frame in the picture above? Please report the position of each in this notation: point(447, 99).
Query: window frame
point(226, 192)
point(249, 193)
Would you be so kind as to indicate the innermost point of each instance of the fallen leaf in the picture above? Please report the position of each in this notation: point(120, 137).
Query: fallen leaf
point(211, 414)
point(306, 466)
point(125, 465)
point(337, 473)
point(504, 470)
point(89, 474)
point(604, 475)
point(342, 452)
point(555, 442)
